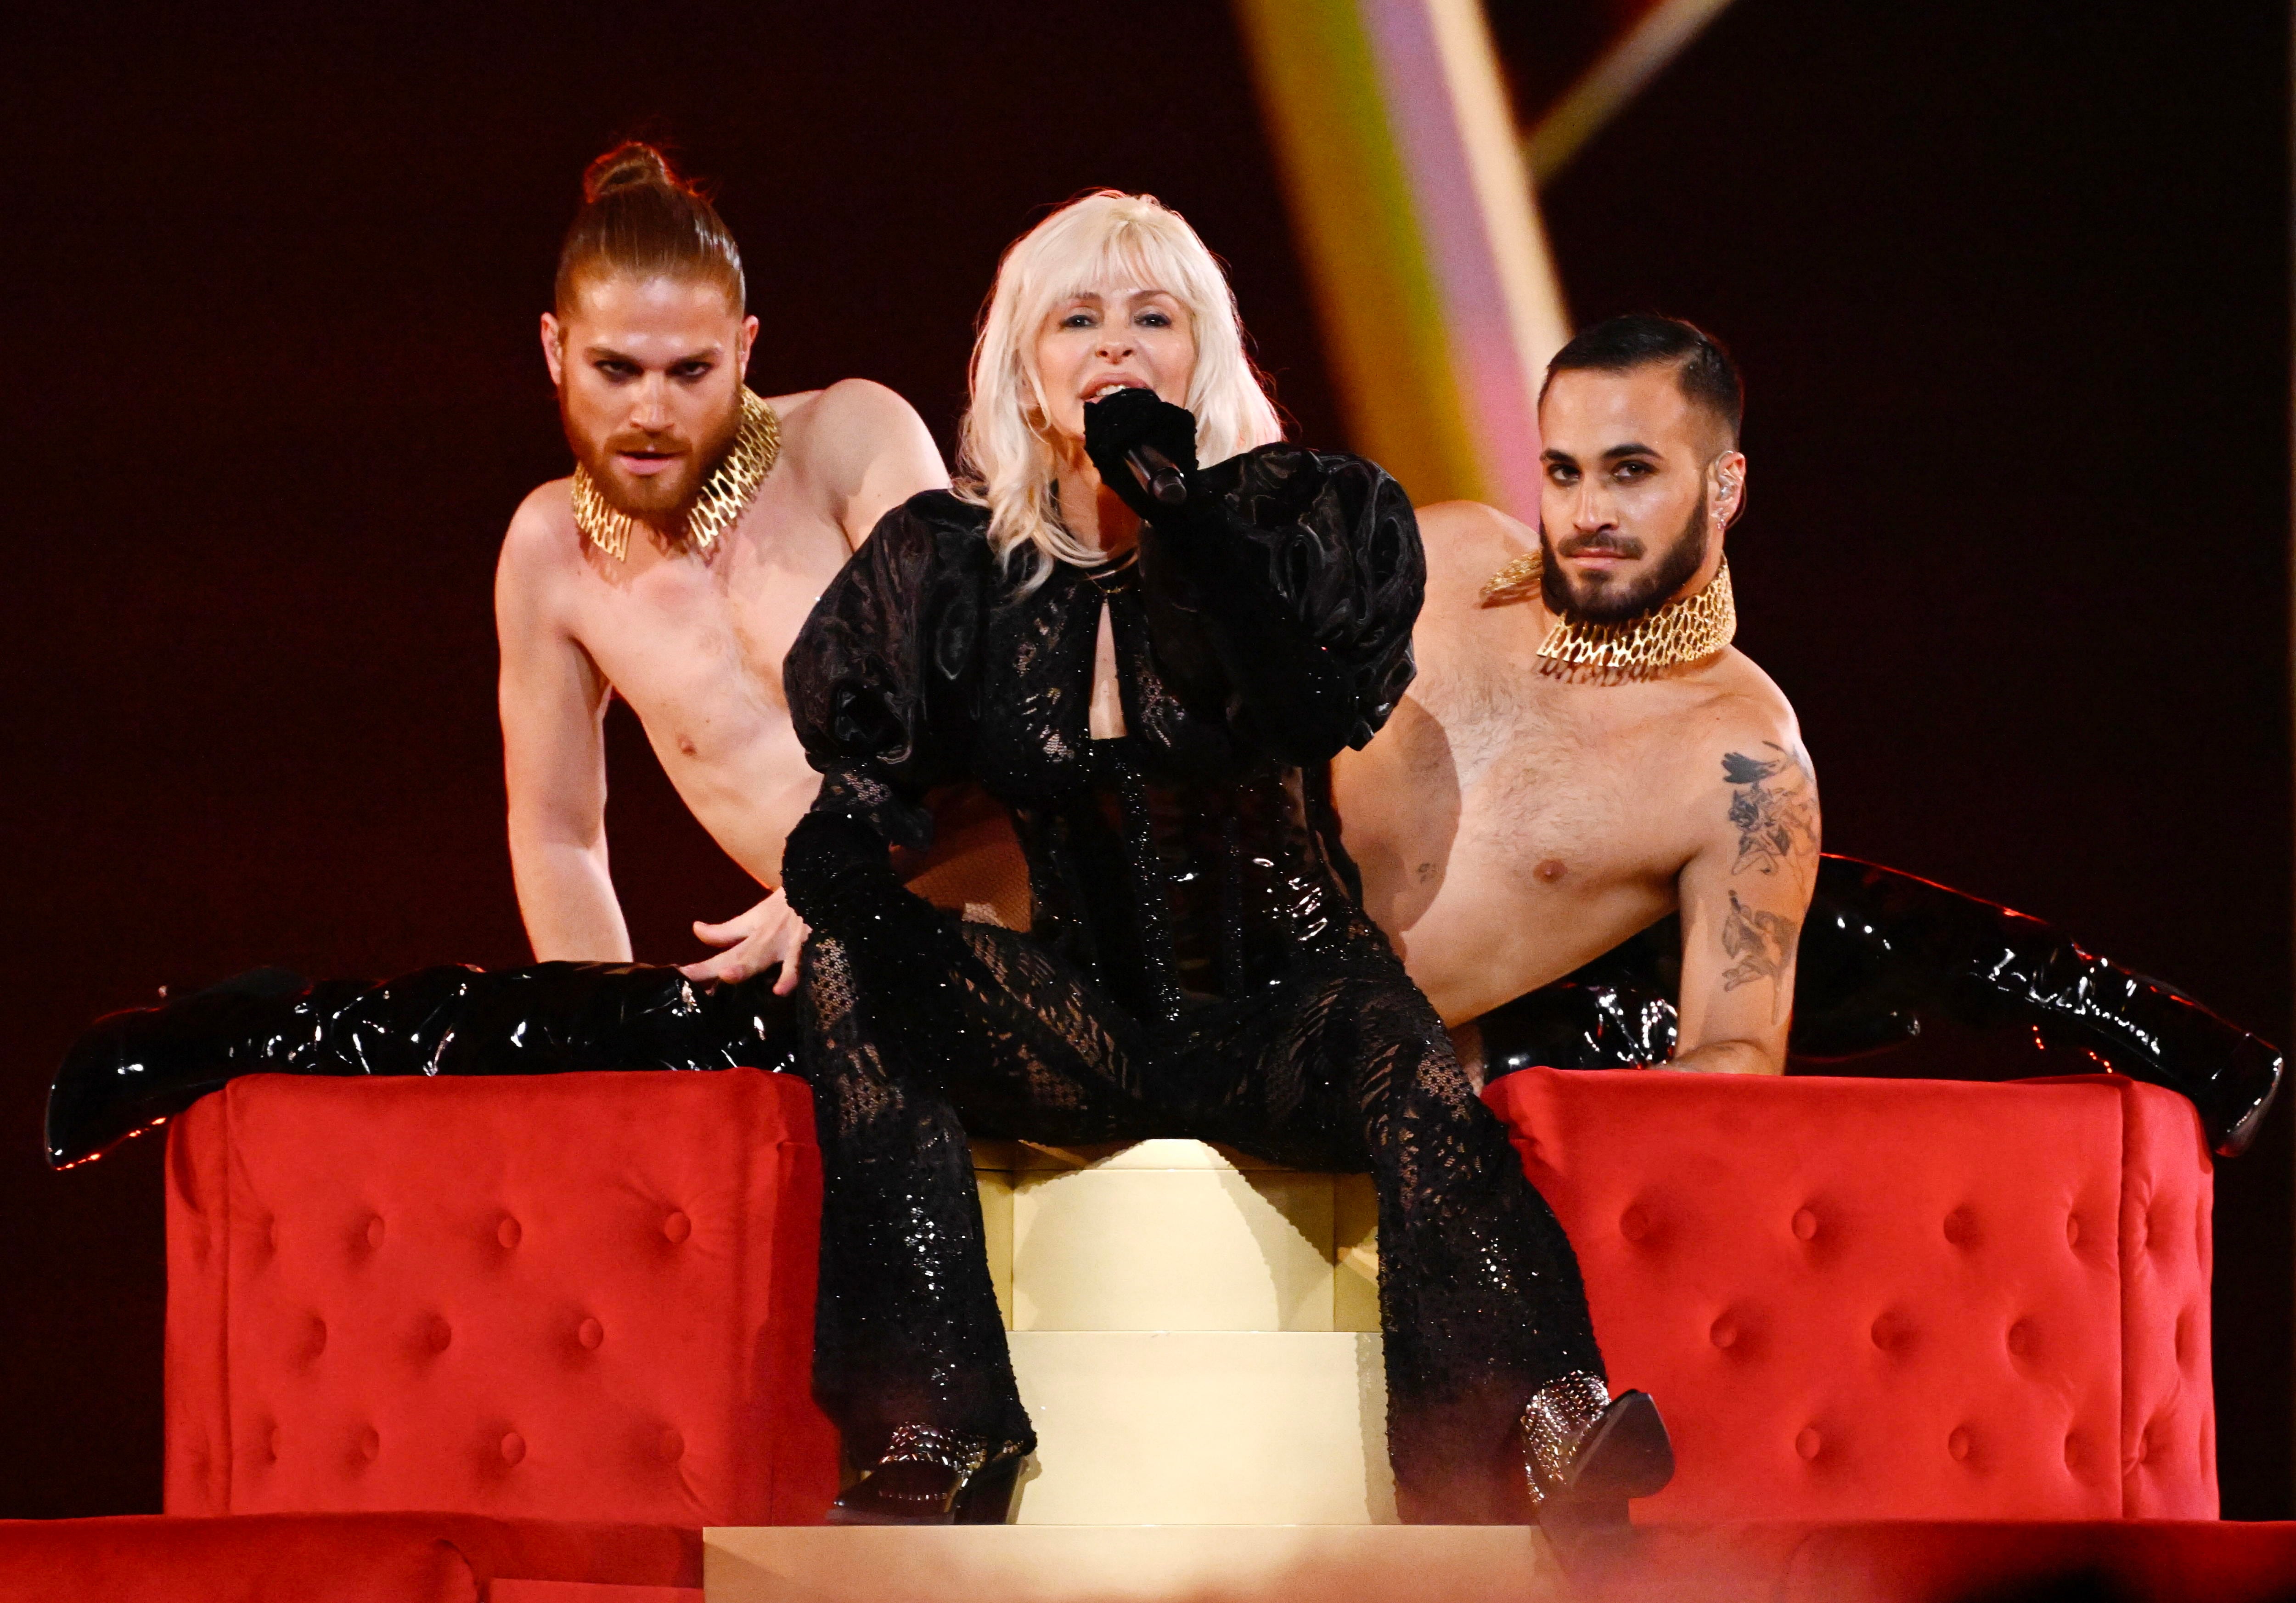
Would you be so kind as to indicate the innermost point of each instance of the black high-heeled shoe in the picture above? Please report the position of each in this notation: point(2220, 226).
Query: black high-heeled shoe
point(934, 1477)
point(1586, 1453)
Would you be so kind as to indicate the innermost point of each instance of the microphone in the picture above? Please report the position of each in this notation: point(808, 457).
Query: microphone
point(1158, 475)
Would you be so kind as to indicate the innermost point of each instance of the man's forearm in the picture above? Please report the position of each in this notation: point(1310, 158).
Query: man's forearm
point(566, 896)
point(1729, 1057)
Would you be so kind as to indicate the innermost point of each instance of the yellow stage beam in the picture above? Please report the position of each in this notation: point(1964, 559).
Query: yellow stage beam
point(1626, 67)
point(1415, 215)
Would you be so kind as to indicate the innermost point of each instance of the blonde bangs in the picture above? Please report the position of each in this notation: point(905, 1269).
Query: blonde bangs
point(1004, 459)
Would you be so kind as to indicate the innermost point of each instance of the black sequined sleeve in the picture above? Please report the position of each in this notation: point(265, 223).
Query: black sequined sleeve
point(882, 683)
point(1288, 586)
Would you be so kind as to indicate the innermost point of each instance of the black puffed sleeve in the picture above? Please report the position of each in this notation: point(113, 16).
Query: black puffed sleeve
point(1287, 587)
point(884, 681)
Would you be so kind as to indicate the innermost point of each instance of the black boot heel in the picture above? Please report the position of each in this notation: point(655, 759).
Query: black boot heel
point(1585, 1454)
point(929, 1476)
point(1626, 1454)
point(987, 1499)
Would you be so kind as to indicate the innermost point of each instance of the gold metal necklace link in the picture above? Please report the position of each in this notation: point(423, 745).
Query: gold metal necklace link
point(723, 496)
point(1683, 630)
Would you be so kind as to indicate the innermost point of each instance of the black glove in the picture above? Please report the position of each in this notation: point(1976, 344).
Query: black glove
point(1129, 418)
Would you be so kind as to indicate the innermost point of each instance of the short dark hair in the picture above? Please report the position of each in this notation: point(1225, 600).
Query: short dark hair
point(1701, 367)
point(639, 217)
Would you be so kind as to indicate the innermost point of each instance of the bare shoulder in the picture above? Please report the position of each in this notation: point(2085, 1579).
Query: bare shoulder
point(1466, 543)
point(1748, 742)
point(852, 421)
point(860, 449)
point(541, 541)
point(1745, 705)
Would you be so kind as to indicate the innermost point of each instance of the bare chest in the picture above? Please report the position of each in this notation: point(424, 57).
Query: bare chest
point(1568, 788)
point(694, 640)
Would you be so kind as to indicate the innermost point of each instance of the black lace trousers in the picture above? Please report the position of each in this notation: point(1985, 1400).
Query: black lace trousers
point(917, 1029)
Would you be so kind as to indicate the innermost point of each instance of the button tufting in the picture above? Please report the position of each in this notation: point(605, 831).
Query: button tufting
point(590, 1333)
point(1806, 1442)
point(2073, 1230)
point(1805, 1225)
point(374, 1231)
point(1634, 1224)
point(672, 1446)
point(507, 1232)
point(1961, 1228)
point(2020, 1337)
point(677, 1227)
point(1725, 1333)
point(271, 1444)
point(2072, 1452)
point(1957, 1444)
point(439, 1334)
point(1891, 1331)
point(513, 1448)
point(370, 1444)
point(316, 1342)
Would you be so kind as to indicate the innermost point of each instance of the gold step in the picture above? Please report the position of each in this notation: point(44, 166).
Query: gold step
point(1129, 1564)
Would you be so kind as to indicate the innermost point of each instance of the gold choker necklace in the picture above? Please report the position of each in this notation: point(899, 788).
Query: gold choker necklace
point(724, 495)
point(1683, 630)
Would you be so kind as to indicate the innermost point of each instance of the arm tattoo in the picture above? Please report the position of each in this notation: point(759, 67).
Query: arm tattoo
point(1773, 823)
point(1762, 942)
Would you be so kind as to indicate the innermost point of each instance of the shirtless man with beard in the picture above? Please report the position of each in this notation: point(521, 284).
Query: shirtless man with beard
point(676, 567)
point(1582, 751)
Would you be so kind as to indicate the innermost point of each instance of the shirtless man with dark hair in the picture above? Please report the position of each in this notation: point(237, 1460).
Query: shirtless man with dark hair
point(1583, 753)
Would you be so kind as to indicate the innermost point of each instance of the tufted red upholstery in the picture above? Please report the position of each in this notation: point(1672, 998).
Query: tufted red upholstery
point(1871, 1299)
point(577, 1296)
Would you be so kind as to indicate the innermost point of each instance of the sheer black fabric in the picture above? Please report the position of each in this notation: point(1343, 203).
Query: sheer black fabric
point(1198, 965)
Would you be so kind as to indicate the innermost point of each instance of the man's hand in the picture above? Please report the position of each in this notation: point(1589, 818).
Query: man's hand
point(768, 933)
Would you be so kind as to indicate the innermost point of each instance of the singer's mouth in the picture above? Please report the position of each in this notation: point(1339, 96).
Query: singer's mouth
point(1105, 391)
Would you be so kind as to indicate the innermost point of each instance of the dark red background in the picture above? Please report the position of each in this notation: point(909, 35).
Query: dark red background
point(2009, 280)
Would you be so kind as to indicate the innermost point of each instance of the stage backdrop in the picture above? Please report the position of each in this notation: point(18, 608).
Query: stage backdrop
point(2010, 292)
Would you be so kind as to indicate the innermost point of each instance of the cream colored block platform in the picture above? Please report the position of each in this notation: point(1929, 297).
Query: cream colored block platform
point(1175, 1236)
point(1194, 1334)
point(1099, 1564)
point(1204, 1428)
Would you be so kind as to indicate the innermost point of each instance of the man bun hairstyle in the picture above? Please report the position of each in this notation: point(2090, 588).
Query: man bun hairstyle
point(638, 217)
point(1702, 365)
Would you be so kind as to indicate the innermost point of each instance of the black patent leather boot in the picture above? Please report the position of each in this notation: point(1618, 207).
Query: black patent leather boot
point(1903, 978)
point(934, 1477)
point(134, 1071)
point(1886, 957)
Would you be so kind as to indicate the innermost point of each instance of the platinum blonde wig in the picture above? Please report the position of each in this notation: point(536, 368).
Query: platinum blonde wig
point(1101, 240)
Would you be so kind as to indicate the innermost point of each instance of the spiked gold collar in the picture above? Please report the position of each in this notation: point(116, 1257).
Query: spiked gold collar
point(1683, 630)
point(724, 495)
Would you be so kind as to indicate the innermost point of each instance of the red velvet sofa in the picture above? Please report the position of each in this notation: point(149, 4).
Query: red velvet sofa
point(1877, 1300)
point(556, 1305)
point(579, 1296)
point(590, 1296)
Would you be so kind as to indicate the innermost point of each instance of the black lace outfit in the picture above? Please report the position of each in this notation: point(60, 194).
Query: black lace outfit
point(1198, 965)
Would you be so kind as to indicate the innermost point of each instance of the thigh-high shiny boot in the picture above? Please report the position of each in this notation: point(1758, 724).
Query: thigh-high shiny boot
point(134, 1071)
point(1890, 964)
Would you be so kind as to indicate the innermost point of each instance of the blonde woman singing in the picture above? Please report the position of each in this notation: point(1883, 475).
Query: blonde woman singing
point(1149, 664)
